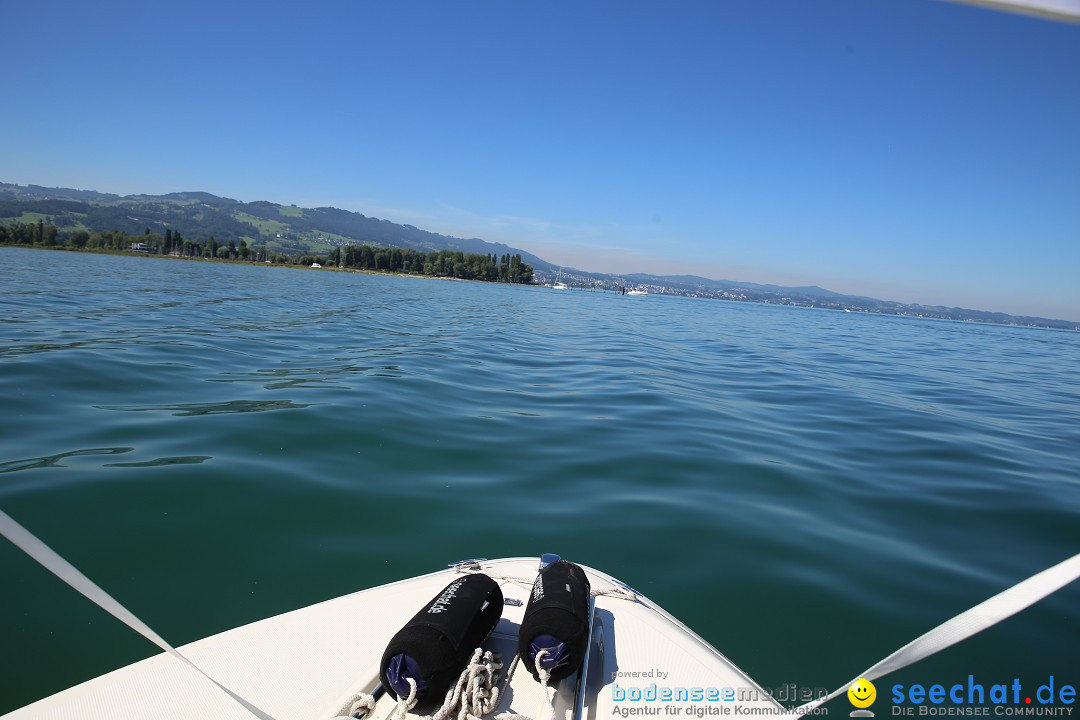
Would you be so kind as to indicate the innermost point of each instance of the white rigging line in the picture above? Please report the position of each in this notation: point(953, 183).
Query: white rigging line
point(67, 572)
point(968, 623)
point(974, 620)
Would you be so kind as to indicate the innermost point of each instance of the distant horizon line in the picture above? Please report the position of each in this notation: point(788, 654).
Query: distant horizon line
point(564, 266)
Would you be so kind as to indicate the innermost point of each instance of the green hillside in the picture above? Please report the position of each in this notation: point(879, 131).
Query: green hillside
point(199, 217)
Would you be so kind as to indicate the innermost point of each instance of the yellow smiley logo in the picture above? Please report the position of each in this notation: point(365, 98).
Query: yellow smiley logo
point(862, 693)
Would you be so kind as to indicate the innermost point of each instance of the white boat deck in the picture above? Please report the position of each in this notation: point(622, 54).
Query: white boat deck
point(305, 664)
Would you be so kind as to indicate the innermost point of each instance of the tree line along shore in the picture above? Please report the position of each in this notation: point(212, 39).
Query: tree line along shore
point(506, 268)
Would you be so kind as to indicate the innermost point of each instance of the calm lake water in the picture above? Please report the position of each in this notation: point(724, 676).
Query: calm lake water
point(806, 489)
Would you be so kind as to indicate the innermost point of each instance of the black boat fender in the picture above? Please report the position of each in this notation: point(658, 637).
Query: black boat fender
point(434, 647)
point(556, 620)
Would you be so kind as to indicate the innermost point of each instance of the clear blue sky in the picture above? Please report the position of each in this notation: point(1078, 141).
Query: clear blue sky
point(912, 150)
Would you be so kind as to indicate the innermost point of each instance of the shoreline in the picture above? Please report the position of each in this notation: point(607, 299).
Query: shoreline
point(253, 263)
point(390, 273)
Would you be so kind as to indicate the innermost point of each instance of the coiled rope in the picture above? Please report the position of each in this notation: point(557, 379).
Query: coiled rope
point(476, 693)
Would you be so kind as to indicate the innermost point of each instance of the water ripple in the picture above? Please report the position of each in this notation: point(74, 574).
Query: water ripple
point(158, 462)
point(218, 408)
point(53, 461)
point(804, 471)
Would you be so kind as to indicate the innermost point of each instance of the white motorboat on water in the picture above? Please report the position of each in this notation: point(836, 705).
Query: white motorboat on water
point(635, 291)
point(509, 639)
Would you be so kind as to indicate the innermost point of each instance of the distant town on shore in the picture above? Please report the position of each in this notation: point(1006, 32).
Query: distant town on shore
point(199, 224)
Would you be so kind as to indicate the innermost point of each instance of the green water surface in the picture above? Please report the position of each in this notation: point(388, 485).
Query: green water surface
point(808, 490)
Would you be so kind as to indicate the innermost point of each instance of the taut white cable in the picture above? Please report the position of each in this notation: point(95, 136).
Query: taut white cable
point(67, 572)
point(974, 620)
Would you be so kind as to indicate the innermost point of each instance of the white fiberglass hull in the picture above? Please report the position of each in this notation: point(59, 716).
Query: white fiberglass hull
point(307, 663)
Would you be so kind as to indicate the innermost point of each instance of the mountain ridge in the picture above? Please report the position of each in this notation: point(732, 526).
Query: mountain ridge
point(199, 215)
point(291, 229)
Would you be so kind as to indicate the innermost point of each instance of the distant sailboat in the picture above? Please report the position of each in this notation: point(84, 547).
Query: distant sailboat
point(560, 285)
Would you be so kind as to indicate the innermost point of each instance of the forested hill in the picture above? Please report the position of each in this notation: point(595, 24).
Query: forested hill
point(201, 224)
point(199, 216)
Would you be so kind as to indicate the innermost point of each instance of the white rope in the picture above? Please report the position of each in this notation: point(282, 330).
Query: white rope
point(474, 695)
point(482, 694)
point(405, 704)
point(67, 572)
point(974, 620)
point(545, 676)
point(619, 591)
point(521, 582)
point(356, 707)
point(476, 692)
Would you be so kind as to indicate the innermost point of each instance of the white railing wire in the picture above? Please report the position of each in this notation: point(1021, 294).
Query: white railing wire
point(67, 572)
point(987, 613)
